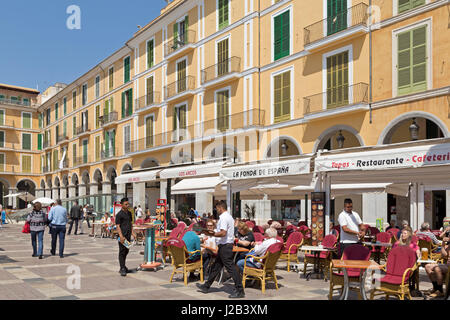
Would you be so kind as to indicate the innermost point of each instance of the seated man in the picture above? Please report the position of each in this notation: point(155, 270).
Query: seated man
point(426, 231)
point(192, 241)
point(259, 250)
point(392, 225)
point(437, 273)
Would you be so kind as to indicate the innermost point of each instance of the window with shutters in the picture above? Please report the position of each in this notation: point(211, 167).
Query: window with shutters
point(97, 87)
point(84, 120)
point(26, 164)
point(412, 60)
point(281, 35)
point(111, 78)
point(127, 139)
point(26, 101)
point(179, 122)
point(127, 103)
point(405, 5)
point(97, 148)
point(126, 70)
point(97, 116)
point(26, 141)
point(39, 141)
point(2, 139)
point(84, 93)
point(337, 80)
point(150, 99)
point(282, 97)
point(223, 110)
point(85, 151)
point(2, 162)
point(56, 111)
point(26, 120)
point(65, 129)
point(223, 13)
point(336, 16)
point(65, 105)
point(181, 76)
point(150, 53)
point(2, 117)
point(47, 117)
point(57, 134)
point(180, 34)
point(222, 57)
point(149, 129)
point(74, 126)
point(74, 100)
point(55, 160)
point(74, 153)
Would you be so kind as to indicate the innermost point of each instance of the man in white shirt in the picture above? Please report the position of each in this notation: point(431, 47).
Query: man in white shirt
point(351, 226)
point(225, 240)
point(139, 212)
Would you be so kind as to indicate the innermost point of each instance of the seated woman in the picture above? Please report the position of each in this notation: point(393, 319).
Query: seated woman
point(211, 246)
point(106, 221)
point(259, 250)
point(244, 238)
point(405, 240)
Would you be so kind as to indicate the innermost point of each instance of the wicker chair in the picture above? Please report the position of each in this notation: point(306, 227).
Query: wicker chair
point(426, 242)
point(400, 266)
point(180, 259)
point(267, 270)
point(383, 237)
point(290, 250)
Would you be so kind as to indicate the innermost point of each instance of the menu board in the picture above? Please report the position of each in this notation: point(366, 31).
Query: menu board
point(317, 217)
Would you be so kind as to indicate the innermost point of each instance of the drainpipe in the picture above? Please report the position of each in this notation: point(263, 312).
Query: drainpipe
point(370, 60)
point(259, 62)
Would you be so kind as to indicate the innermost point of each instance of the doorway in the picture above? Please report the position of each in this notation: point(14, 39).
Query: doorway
point(439, 209)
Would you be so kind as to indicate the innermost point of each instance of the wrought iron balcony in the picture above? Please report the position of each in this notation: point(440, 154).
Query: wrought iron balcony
point(83, 160)
point(356, 15)
point(221, 69)
point(210, 128)
point(150, 99)
point(337, 97)
point(84, 129)
point(179, 87)
point(108, 154)
point(109, 118)
point(8, 168)
point(62, 138)
point(14, 102)
point(179, 42)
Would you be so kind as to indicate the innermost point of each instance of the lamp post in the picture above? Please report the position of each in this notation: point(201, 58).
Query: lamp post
point(284, 148)
point(414, 130)
point(340, 140)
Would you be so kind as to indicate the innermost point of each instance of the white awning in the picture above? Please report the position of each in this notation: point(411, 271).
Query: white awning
point(196, 185)
point(137, 177)
point(358, 188)
point(191, 171)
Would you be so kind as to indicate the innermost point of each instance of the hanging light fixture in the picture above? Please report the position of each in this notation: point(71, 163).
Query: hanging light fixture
point(284, 148)
point(414, 130)
point(340, 140)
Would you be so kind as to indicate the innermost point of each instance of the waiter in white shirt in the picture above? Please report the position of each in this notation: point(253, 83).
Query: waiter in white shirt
point(351, 226)
point(225, 239)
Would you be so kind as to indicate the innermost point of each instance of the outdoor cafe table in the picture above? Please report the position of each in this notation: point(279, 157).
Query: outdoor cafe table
point(97, 224)
point(363, 265)
point(377, 245)
point(150, 251)
point(423, 263)
point(317, 250)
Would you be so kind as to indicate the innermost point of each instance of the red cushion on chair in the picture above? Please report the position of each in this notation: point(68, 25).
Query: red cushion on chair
point(329, 241)
point(294, 238)
point(400, 258)
point(384, 237)
point(258, 229)
point(276, 247)
point(392, 279)
point(258, 236)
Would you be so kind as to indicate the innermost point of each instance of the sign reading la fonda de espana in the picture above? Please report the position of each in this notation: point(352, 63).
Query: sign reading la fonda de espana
point(385, 159)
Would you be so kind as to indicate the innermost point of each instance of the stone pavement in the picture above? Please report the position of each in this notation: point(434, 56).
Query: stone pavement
point(23, 277)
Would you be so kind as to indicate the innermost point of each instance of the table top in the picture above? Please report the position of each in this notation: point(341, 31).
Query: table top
point(377, 244)
point(98, 223)
point(240, 249)
point(425, 261)
point(161, 238)
point(316, 248)
point(356, 264)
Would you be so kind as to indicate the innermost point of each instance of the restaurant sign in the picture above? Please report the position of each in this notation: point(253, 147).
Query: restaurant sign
point(265, 170)
point(384, 159)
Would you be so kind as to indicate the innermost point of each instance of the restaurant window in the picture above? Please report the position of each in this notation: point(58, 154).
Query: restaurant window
point(285, 209)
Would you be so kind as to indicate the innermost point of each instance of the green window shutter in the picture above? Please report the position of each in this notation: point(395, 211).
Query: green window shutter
point(130, 100)
point(127, 70)
point(74, 126)
point(412, 61)
point(26, 141)
point(149, 132)
point(174, 118)
point(56, 111)
point(2, 139)
point(2, 117)
point(281, 36)
point(74, 153)
point(65, 106)
point(123, 104)
point(97, 148)
point(2, 162)
point(26, 120)
point(175, 35)
point(39, 141)
point(150, 96)
point(183, 117)
point(405, 5)
point(150, 54)
point(111, 78)
point(39, 117)
point(223, 110)
point(337, 80)
point(65, 128)
point(97, 116)
point(85, 151)
point(222, 57)
point(111, 105)
point(282, 97)
point(223, 14)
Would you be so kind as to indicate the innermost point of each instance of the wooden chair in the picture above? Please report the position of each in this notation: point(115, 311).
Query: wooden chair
point(290, 250)
point(353, 252)
point(180, 259)
point(400, 266)
point(267, 270)
point(329, 241)
point(426, 242)
point(393, 232)
point(114, 232)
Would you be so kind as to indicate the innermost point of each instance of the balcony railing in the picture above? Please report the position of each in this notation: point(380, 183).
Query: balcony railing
point(148, 100)
point(108, 154)
point(179, 86)
point(46, 144)
point(109, 118)
point(221, 69)
point(10, 123)
point(353, 16)
point(188, 37)
point(62, 138)
point(242, 120)
point(8, 168)
point(337, 97)
point(83, 129)
point(14, 102)
point(78, 161)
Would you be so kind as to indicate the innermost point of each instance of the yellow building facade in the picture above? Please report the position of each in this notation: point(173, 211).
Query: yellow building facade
point(249, 80)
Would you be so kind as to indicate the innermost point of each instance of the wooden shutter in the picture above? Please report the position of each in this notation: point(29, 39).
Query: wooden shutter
point(149, 132)
point(183, 117)
point(2, 118)
point(2, 162)
point(150, 95)
point(74, 126)
point(2, 139)
point(123, 105)
point(337, 80)
point(175, 36)
point(74, 154)
point(181, 76)
point(282, 35)
point(336, 16)
point(150, 54)
point(223, 110)
point(97, 148)
point(74, 100)
point(222, 57)
point(282, 97)
point(85, 151)
point(111, 78)
point(26, 164)
point(130, 102)
point(412, 61)
point(65, 128)
point(65, 106)
point(26, 120)
point(55, 159)
point(97, 116)
point(56, 111)
point(223, 13)
point(39, 141)
point(26, 141)
point(126, 70)
point(405, 5)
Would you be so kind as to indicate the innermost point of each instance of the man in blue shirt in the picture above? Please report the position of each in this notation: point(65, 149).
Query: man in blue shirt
point(192, 241)
point(58, 219)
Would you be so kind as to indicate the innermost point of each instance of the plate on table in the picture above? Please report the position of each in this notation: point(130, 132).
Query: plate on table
point(320, 213)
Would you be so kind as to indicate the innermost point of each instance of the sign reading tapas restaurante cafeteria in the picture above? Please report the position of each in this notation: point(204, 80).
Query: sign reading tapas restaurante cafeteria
point(269, 169)
point(418, 156)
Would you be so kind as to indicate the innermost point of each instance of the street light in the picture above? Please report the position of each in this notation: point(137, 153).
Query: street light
point(340, 140)
point(414, 130)
point(284, 148)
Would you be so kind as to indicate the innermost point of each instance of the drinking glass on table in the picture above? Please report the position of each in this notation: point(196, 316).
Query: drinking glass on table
point(424, 254)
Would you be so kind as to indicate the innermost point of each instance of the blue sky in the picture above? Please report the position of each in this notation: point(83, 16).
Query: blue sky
point(37, 49)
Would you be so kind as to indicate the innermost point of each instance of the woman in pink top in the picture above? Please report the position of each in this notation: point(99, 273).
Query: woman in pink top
point(405, 240)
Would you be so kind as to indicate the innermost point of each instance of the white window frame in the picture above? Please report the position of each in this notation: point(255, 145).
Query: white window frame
point(229, 107)
point(217, 14)
point(31, 119)
point(146, 54)
point(291, 30)
point(348, 48)
point(31, 141)
point(429, 23)
point(395, 7)
point(290, 68)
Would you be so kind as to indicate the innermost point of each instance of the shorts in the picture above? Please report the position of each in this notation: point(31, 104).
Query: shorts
point(443, 267)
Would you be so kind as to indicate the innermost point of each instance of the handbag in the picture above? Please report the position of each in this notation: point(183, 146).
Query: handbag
point(26, 227)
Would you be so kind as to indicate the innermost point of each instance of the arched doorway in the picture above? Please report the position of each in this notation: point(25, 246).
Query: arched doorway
point(75, 183)
point(65, 184)
point(27, 186)
point(338, 137)
point(283, 146)
point(98, 179)
point(111, 176)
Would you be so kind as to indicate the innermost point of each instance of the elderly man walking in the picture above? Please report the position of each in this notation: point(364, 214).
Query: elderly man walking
point(58, 219)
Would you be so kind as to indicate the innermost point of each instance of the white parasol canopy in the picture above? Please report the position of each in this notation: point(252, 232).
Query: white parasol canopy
point(44, 201)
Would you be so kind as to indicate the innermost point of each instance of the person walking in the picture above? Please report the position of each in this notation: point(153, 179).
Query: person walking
point(125, 230)
point(75, 215)
point(225, 235)
point(58, 219)
point(37, 220)
point(351, 226)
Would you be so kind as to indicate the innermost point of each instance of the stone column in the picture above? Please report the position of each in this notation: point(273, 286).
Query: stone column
point(72, 191)
point(106, 187)
point(163, 189)
point(121, 188)
point(63, 193)
point(40, 193)
point(93, 188)
point(55, 195)
point(82, 189)
point(139, 194)
point(48, 193)
point(12, 201)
